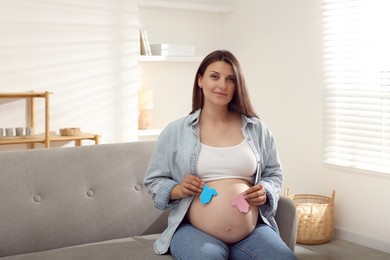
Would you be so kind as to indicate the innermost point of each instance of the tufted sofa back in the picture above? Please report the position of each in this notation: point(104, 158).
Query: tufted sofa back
point(51, 198)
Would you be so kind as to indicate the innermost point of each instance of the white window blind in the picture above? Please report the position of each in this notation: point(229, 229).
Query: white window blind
point(356, 52)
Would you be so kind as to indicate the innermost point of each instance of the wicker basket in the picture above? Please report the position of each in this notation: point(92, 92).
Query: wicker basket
point(315, 217)
point(70, 131)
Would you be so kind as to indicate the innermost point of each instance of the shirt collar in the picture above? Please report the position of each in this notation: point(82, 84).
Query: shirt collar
point(252, 120)
point(194, 118)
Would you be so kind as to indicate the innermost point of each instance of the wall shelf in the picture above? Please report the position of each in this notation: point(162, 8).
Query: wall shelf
point(177, 22)
point(155, 58)
point(222, 9)
point(149, 134)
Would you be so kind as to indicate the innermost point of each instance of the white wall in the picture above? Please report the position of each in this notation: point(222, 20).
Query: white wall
point(83, 52)
point(279, 45)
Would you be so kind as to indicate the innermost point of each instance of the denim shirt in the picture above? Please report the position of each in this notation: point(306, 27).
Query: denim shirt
point(176, 155)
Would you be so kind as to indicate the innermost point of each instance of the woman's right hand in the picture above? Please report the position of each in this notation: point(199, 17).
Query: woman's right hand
point(191, 185)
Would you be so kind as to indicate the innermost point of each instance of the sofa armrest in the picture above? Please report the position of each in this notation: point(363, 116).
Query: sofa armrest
point(286, 218)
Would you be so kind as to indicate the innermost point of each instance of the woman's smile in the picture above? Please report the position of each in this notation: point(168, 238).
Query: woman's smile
point(220, 93)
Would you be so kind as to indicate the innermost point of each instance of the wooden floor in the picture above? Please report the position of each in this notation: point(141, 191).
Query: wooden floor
point(338, 249)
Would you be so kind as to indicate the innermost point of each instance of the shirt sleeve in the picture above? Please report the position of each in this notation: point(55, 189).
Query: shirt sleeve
point(158, 178)
point(271, 177)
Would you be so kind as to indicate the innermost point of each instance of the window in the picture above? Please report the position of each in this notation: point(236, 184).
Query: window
point(356, 54)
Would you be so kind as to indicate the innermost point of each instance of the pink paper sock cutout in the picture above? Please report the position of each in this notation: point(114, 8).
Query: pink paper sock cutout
point(241, 203)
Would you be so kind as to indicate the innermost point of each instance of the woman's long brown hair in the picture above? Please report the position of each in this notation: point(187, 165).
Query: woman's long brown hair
point(240, 102)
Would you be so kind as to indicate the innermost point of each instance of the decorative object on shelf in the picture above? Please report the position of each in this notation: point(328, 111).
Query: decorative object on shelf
point(145, 103)
point(9, 131)
point(70, 131)
point(164, 49)
point(19, 131)
point(144, 43)
point(315, 217)
point(29, 131)
point(14, 131)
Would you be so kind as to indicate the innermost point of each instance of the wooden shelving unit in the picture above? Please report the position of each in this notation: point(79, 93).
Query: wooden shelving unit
point(52, 138)
point(46, 138)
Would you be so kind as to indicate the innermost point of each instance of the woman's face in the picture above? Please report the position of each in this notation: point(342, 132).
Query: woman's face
point(218, 83)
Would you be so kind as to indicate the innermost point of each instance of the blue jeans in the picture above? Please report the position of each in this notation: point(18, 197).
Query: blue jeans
point(190, 243)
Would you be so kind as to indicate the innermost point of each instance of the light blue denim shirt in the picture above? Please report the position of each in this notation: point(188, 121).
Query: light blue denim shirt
point(176, 155)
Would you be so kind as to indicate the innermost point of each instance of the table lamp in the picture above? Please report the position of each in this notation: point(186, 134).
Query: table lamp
point(145, 103)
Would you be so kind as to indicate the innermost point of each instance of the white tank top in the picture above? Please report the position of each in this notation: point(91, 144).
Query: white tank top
point(216, 163)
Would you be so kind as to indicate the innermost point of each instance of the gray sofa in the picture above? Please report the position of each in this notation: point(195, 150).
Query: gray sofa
point(86, 203)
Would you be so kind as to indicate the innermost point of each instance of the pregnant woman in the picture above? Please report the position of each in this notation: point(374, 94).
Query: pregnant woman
point(218, 173)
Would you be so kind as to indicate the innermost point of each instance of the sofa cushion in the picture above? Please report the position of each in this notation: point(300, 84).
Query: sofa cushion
point(140, 247)
point(63, 197)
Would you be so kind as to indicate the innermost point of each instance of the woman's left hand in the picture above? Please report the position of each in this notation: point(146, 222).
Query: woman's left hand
point(256, 195)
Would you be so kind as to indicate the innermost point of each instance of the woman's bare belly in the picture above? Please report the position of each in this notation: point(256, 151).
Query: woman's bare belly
point(218, 217)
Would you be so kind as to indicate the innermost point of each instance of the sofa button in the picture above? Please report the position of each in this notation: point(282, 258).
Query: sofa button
point(90, 193)
point(137, 187)
point(37, 198)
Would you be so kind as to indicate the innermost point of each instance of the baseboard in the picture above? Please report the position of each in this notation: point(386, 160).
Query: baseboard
point(363, 240)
